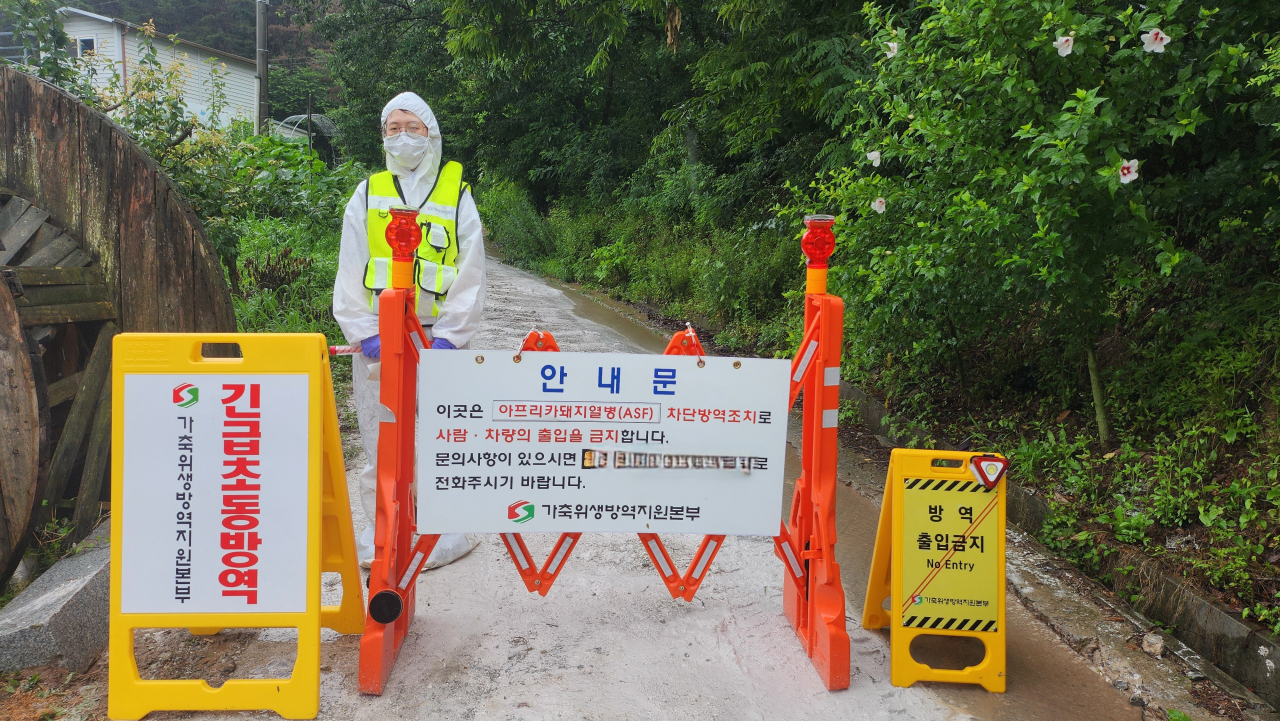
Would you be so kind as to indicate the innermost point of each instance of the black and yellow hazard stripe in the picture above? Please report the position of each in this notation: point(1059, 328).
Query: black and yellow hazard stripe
point(943, 623)
point(945, 484)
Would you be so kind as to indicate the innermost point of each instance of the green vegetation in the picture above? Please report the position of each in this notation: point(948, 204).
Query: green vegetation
point(1057, 229)
point(1023, 288)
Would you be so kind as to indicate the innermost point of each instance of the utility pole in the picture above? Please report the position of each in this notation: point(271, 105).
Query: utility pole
point(264, 105)
point(310, 150)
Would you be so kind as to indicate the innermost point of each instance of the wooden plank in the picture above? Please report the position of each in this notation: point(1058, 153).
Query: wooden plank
point(12, 211)
point(61, 295)
point(139, 264)
point(100, 182)
point(43, 237)
point(20, 429)
point(77, 259)
point(64, 390)
point(59, 276)
point(16, 237)
point(6, 120)
point(68, 313)
point(17, 128)
point(95, 466)
point(78, 418)
point(57, 150)
point(49, 255)
point(173, 276)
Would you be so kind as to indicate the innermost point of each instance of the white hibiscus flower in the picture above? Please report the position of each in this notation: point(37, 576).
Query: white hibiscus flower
point(1129, 171)
point(1154, 41)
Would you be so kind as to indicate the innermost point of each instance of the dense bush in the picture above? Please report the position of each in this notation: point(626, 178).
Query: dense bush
point(1109, 323)
point(1022, 278)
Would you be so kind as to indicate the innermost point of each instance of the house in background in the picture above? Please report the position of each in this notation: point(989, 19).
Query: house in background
point(118, 42)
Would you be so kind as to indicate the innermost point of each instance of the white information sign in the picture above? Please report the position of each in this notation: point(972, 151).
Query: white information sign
point(215, 493)
point(600, 442)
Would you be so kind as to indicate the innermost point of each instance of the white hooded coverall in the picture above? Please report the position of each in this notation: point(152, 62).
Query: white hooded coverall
point(356, 311)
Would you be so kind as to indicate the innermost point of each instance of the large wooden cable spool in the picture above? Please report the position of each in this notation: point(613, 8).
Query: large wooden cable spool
point(56, 325)
point(26, 437)
point(94, 240)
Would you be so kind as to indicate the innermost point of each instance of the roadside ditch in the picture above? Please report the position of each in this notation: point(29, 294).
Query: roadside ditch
point(1214, 642)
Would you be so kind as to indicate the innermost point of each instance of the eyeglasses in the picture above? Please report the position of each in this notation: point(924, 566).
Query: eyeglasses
point(395, 128)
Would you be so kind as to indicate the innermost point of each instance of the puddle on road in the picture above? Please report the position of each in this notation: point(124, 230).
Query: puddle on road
point(619, 317)
point(1047, 681)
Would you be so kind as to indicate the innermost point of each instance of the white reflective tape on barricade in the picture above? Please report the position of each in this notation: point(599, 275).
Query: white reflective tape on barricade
point(804, 361)
point(830, 418)
point(515, 548)
point(662, 561)
point(831, 376)
point(796, 569)
point(702, 560)
point(560, 554)
point(408, 572)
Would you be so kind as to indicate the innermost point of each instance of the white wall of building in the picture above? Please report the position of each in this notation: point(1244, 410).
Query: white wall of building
point(106, 38)
point(120, 48)
point(241, 78)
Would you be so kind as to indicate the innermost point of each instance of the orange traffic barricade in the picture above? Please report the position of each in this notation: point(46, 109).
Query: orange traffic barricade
point(813, 597)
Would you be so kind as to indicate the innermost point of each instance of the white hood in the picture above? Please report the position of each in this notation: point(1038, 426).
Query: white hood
point(430, 165)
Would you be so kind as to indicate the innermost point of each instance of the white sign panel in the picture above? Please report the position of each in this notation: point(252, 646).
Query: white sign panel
point(600, 442)
point(215, 493)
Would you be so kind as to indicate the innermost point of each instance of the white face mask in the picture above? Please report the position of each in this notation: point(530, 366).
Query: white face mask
point(407, 149)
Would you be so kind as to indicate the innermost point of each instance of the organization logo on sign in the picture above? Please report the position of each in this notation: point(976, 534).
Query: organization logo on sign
point(520, 511)
point(186, 395)
point(917, 600)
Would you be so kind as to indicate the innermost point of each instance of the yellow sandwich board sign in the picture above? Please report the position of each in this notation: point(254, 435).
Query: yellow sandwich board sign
point(939, 558)
point(229, 500)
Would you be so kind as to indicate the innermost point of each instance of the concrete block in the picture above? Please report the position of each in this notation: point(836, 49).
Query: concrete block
point(62, 618)
point(1244, 650)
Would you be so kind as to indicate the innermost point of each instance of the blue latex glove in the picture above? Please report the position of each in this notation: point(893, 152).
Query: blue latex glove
point(371, 347)
point(442, 344)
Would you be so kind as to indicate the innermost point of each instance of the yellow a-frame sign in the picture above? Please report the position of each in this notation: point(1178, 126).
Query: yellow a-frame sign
point(229, 500)
point(939, 558)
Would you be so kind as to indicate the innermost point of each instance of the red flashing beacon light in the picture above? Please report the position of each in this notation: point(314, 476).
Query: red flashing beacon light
point(404, 235)
point(818, 243)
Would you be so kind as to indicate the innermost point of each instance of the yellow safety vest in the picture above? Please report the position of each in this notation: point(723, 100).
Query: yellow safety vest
point(435, 267)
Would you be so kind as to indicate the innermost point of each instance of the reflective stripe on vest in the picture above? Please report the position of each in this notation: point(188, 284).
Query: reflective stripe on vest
point(436, 262)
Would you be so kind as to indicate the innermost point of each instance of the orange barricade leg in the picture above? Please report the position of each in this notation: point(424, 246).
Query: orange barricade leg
point(686, 586)
point(539, 580)
point(396, 559)
point(813, 598)
point(684, 342)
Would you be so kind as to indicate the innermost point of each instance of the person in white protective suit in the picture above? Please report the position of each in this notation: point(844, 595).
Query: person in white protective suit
point(450, 275)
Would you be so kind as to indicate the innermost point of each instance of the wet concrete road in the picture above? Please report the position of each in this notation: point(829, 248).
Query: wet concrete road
point(608, 642)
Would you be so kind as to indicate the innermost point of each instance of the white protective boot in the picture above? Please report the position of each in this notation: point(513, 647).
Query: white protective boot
point(451, 546)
